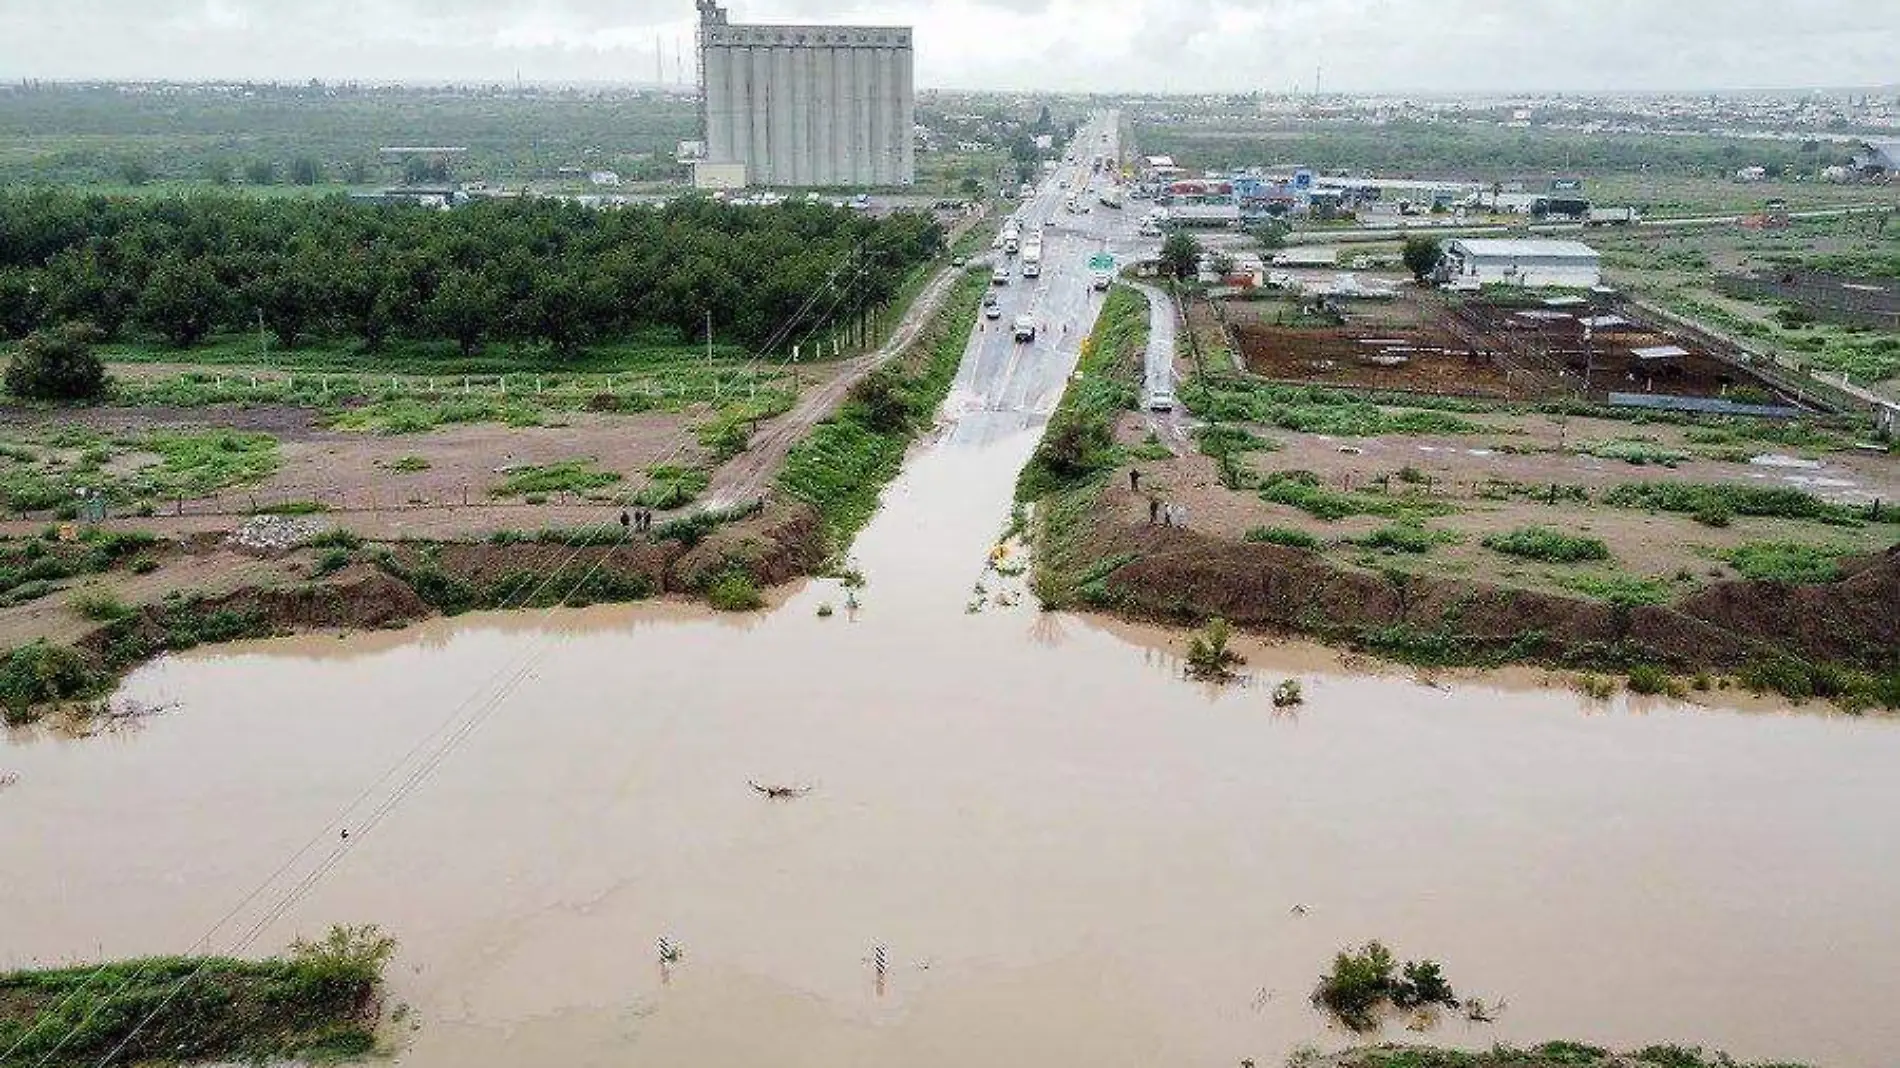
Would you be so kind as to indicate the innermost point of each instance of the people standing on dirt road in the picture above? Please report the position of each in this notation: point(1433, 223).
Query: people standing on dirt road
point(1167, 515)
point(1134, 481)
point(625, 519)
point(1154, 510)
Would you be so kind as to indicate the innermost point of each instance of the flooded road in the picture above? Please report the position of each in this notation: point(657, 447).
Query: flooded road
point(1070, 854)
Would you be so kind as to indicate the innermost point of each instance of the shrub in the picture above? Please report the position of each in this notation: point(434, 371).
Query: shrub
point(1288, 694)
point(59, 365)
point(99, 605)
point(1208, 656)
point(1296, 539)
point(1648, 679)
point(1358, 985)
point(734, 591)
point(1713, 514)
point(40, 673)
point(1550, 546)
point(331, 560)
point(1423, 984)
point(1596, 687)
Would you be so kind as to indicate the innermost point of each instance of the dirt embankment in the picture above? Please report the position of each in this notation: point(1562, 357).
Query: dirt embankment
point(1184, 575)
point(780, 543)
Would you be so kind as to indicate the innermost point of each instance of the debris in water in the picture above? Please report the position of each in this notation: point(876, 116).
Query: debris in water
point(8, 778)
point(1299, 910)
point(779, 793)
point(1288, 694)
point(1478, 1012)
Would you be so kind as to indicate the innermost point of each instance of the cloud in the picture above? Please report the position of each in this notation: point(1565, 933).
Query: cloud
point(1157, 45)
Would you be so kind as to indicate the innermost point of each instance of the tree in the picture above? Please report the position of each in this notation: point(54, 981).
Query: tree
point(220, 171)
point(134, 172)
point(1180, 255)
point(57, 365)
point(261, 172)
point(1221, 264)
point(182, 301)
point(304, 170)
point(1422, 255)
point(288, 299)
point(465, 307)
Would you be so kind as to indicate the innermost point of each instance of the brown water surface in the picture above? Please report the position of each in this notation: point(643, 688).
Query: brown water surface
point(1073, 855)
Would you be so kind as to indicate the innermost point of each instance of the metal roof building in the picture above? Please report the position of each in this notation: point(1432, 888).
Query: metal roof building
point(1532, 263)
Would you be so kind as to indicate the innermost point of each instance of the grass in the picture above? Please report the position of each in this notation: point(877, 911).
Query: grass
point(843, 464)
point(29, 567)
point(669, 487)
point(1302, 490)
point(1547, 545)
point(1711, 499)
point(198, 464)
point(1562, 1054)
point(314, 1004)
point(1617, 589)
point(1295, 539)
point(567, 476)
point(1405, 538)
point(413, 416)
point(1231, 398)
point(1785, 562)
point(408, 464)
point(1633, 451)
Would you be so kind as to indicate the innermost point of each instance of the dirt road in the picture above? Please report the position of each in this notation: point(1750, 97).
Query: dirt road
point(746, 477)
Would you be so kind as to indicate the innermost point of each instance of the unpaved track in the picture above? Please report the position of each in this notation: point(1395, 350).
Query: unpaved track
point(745, 478)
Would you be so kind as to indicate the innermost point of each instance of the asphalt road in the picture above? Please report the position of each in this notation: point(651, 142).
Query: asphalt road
point(1004, 386)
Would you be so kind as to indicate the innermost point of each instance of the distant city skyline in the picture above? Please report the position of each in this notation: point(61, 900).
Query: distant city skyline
point(1175, 46)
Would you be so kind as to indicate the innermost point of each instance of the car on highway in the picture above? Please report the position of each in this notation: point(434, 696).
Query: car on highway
point(992, 308)
point(999, 276)
point(1025, 328)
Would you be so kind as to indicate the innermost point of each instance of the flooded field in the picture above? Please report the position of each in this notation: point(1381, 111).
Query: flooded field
point(1068, 853)
point(1071, 854)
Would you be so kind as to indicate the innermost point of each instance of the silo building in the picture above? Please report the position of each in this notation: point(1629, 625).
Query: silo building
point(806, 105)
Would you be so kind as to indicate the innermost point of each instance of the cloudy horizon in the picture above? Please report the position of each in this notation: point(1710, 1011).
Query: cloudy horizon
point(1449, 46)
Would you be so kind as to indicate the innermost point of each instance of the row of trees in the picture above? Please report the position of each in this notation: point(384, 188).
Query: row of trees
point(185, 268)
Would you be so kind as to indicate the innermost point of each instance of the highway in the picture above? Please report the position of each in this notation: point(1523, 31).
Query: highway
point(1004, 386)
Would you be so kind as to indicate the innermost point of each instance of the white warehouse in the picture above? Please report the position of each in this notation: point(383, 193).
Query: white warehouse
point(808, 105)
point(1522, 262)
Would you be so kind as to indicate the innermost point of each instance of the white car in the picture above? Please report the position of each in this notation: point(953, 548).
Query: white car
point(999, 276)
point(1025, 328)
point(1161, 400)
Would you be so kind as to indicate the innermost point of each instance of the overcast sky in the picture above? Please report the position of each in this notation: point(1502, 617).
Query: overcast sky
point(1158, 45)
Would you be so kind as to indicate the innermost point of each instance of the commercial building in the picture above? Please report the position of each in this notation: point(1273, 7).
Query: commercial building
point(808, 105)
point(1531, 263)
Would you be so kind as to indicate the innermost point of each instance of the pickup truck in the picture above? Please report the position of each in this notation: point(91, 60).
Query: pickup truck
point(1025, 328)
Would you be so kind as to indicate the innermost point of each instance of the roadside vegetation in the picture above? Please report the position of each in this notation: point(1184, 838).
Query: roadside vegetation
point(1367, 982)
point(319, 1002)
point(1079, 443)
point(843, 465)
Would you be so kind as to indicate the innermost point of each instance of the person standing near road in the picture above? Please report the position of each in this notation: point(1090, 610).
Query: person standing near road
point(1154, 510)
point(1134, 480)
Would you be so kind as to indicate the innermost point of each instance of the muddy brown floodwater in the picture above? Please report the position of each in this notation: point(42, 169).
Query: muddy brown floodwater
point(1072, 855)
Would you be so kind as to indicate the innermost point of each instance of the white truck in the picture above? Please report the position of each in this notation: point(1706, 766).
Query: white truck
point(1612, 217)
point(1032, 259)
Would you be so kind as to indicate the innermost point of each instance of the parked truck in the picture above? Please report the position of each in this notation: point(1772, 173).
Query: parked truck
point(1613, 217)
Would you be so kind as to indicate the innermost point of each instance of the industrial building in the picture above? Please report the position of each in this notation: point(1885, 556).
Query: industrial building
point(806, 105)
point(1471, 262)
